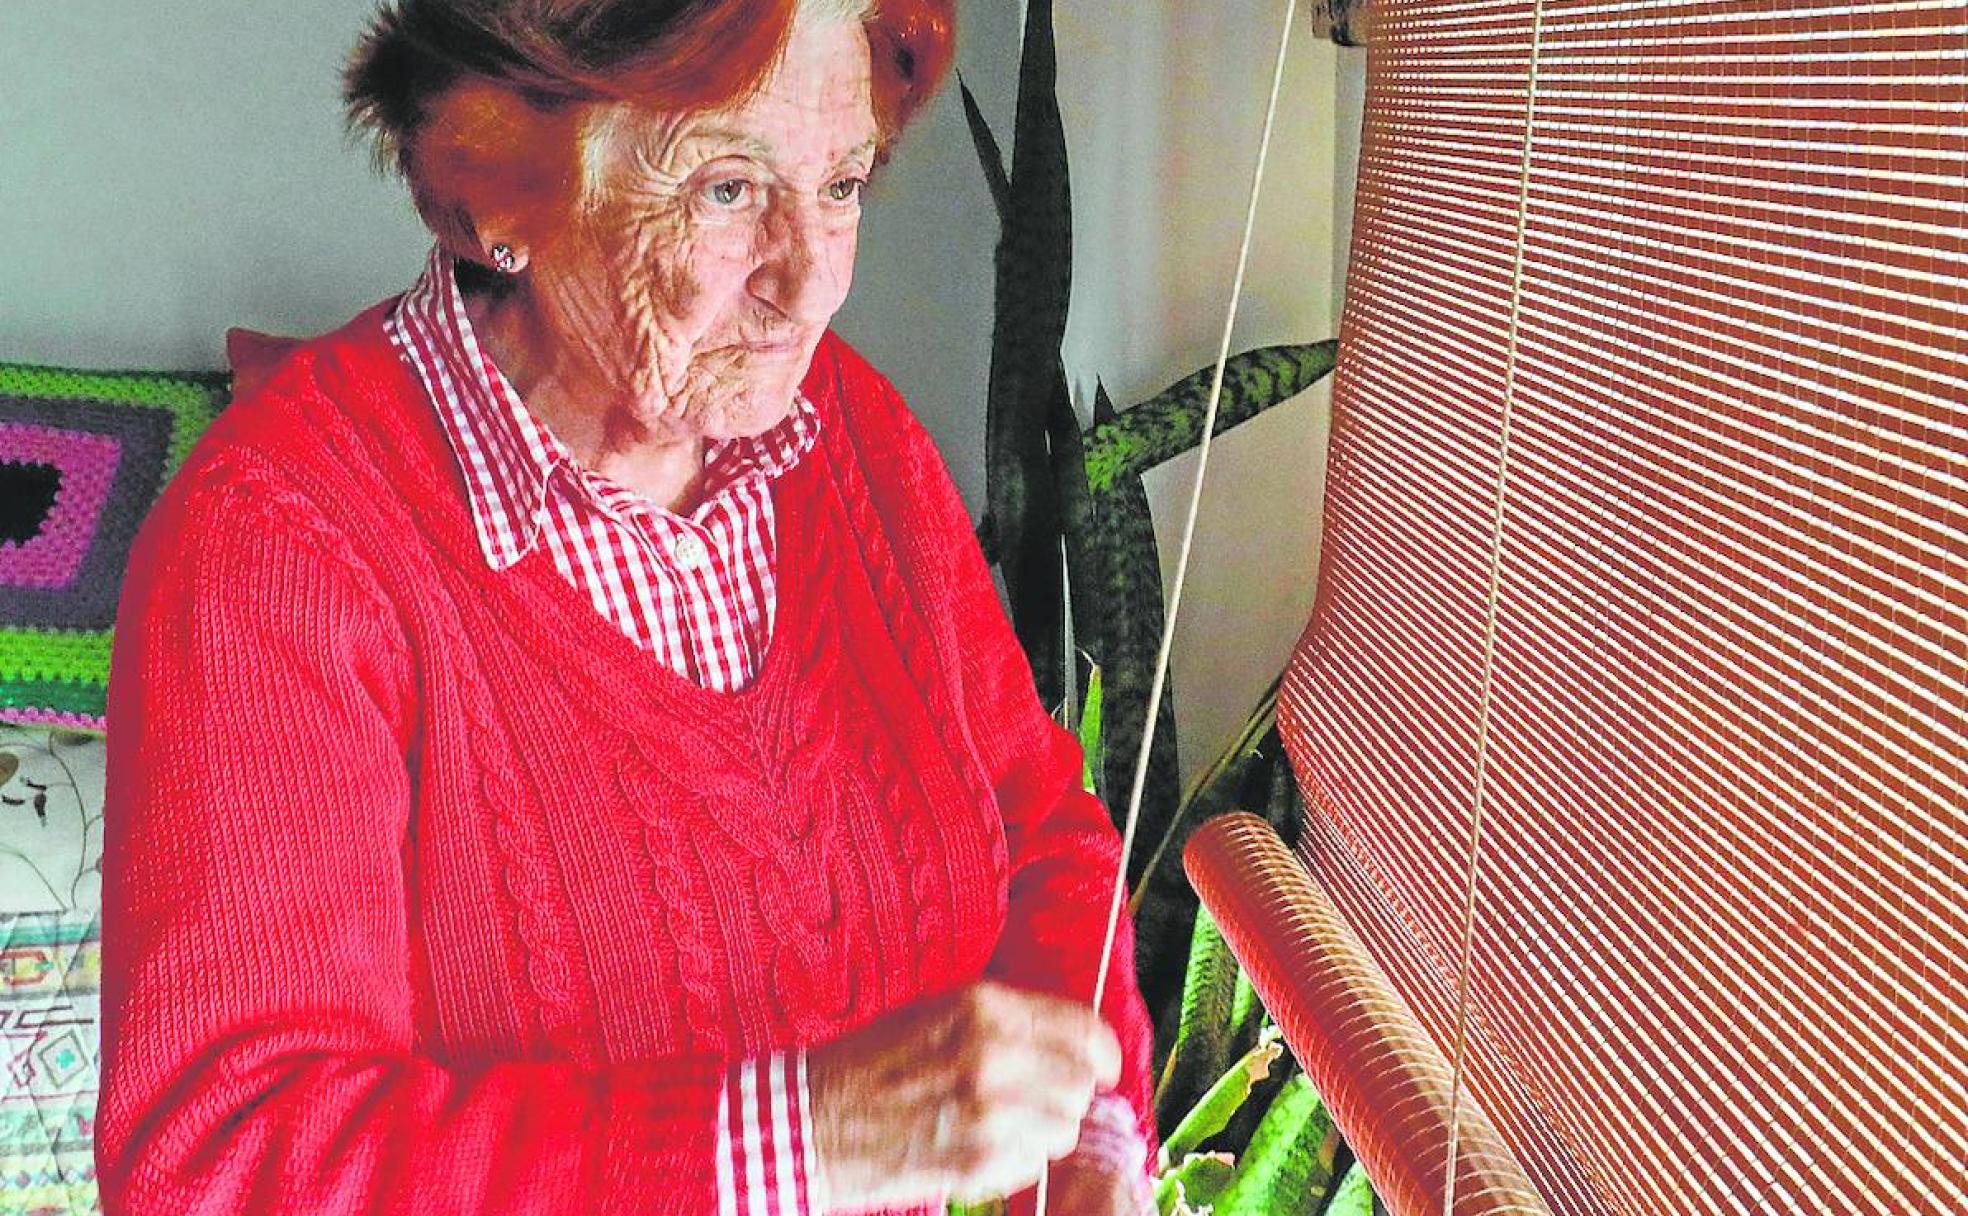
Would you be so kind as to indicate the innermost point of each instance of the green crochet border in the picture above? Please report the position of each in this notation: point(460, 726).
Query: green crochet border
point(42, 654)
point(193, 399)
point(89, 699)
point(49, 929)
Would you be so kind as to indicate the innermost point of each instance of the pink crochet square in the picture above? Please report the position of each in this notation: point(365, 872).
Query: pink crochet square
point(88, 462)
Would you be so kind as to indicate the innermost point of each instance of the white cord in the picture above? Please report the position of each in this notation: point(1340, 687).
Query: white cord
point(1467, 944)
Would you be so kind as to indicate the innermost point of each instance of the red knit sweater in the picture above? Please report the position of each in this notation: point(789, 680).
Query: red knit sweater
point(427, 891)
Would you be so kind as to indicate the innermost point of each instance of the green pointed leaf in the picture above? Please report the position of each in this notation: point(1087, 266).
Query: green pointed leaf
point(1103, 405)
point(1034, 284)
point(1171, 422)
point(1212, 1113)
point(1090, 742)
point(1353, 1196)
point(1071, 502)
point(1201, 1049)
point(1288, 1166)
point(1123, 635)
point(1117, 601)
point(1039, 185)
point(1193, 1183)
point(1246, 1015)
point(1035, 579)
point(1124, 571)
point(988, 154)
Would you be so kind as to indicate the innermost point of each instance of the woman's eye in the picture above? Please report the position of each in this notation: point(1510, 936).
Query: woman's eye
point(728, 193)
point(847, 189)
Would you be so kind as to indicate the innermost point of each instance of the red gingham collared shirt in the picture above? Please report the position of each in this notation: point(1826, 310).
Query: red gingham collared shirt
point(697, 589)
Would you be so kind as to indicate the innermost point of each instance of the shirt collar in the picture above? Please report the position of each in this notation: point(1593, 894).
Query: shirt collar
point(510, 457)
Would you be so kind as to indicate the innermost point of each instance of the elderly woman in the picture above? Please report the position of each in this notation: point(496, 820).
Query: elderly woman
point(568, 753)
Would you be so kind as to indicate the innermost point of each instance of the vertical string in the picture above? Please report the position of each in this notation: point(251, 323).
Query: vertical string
point(1156, 686)
point(1466, 949)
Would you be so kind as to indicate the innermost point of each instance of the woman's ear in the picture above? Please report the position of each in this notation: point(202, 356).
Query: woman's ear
point(495, 175)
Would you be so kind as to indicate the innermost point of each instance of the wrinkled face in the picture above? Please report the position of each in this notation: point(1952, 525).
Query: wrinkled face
point(716, 245)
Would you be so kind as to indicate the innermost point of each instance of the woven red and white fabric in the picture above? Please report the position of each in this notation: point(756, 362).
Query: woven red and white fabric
point(696, 589)
point(1646, 570)
point(766, 1163)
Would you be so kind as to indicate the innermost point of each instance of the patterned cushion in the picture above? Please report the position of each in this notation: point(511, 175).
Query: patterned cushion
point(82, 457)
point(51, 807)
point(49, 1042)
point(51, 802)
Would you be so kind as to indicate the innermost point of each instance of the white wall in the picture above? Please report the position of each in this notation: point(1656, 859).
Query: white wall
point(1349, 114)
point(1164, 103)
point(169, 170)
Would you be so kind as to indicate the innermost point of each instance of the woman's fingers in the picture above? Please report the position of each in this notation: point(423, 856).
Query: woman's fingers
point(969, 1094)
point(1003, 1150)
point(1066, 1030)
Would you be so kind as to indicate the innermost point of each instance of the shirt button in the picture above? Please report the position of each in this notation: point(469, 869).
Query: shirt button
point(689, 551)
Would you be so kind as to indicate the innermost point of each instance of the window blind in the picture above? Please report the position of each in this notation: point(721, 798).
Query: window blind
point(1644, 592)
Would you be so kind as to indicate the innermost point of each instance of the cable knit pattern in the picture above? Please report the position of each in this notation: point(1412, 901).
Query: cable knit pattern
point(917, 647)
point(528, 881)
point(428, 891)
point(666, 840)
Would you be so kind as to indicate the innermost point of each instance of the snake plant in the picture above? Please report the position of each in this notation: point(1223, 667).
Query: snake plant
point(1248, 1133)
point(1257, 1139)
point(1054, 485)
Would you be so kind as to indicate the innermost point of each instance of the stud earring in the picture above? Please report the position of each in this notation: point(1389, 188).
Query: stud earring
point(504, 258)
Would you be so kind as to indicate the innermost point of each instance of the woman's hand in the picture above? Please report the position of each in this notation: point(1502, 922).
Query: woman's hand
point(964, 1096)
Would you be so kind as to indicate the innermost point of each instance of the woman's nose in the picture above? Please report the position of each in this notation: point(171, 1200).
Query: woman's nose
point(796, 272)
